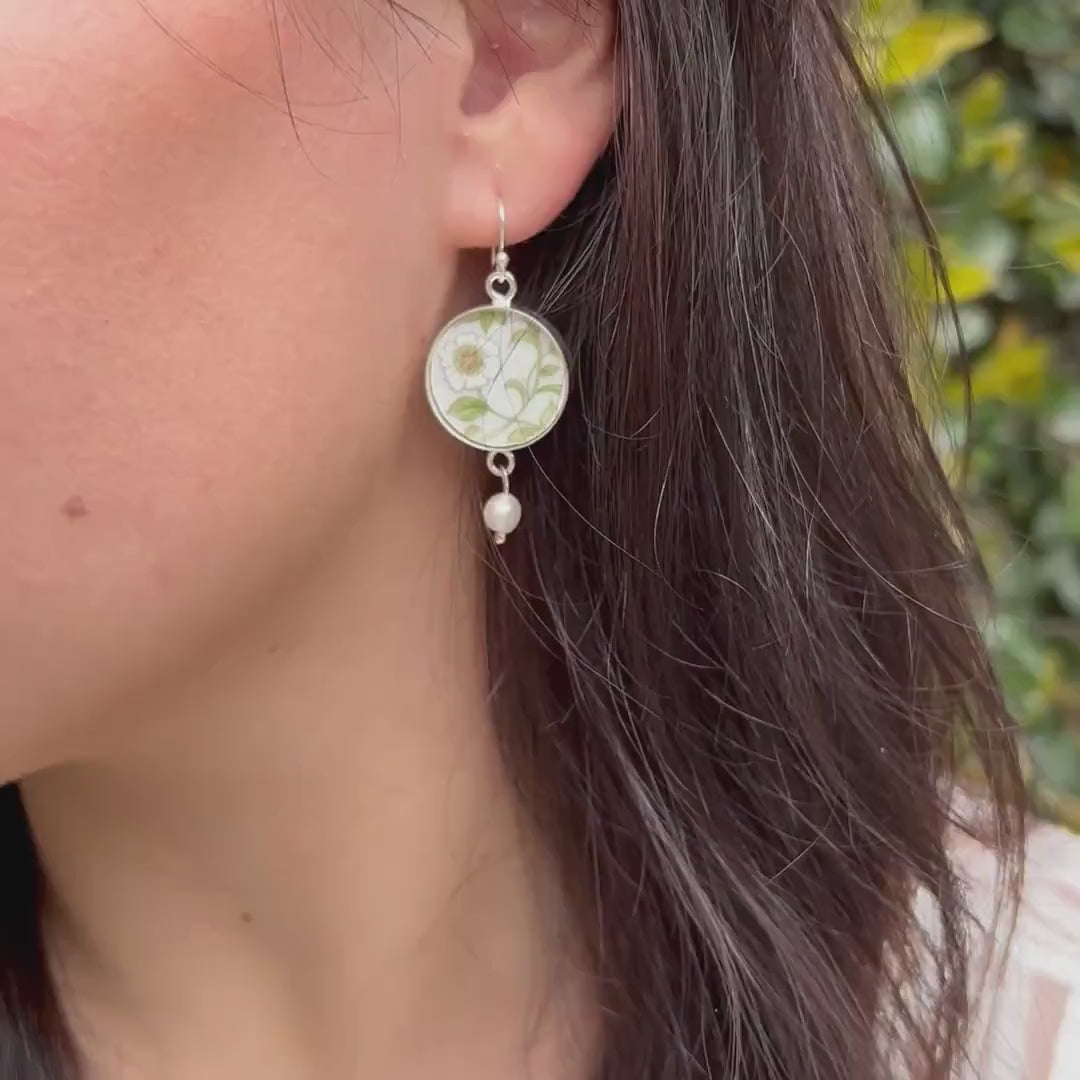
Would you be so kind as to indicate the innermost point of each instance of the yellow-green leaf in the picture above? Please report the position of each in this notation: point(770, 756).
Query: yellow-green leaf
point(490, 319)
point(923, 282)
point(968, 278)
point(883, 18)
point(1067, 194)
point(1064, 807)
point(926, 44)
point(1001, 147)
point(527, 430)
point(1014, 370)
point(969, 281)
point(1063, 243)
point(1067, 249)
point(982, 101)
point(467, 409)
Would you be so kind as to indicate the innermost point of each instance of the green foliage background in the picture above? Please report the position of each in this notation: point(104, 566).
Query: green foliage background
point(984, 97)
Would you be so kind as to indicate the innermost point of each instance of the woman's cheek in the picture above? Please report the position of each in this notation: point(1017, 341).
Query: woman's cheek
point(203, 330)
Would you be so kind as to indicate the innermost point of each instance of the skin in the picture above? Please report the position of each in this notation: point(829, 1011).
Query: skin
point(240, 657)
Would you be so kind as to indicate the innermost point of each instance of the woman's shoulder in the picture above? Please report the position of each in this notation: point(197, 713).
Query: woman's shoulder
point(1030, 1028)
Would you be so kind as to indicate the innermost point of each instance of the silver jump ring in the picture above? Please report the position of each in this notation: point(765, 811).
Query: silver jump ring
point(507, 466)
point(501, 469)
point(501, 287)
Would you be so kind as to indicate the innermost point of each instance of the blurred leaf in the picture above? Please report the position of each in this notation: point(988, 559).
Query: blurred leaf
point(1058, 203)
point(1065, 420)
point(1057, 91)
point(996, 543)
point(1037, 27)
point(1065, 808)
point(883, 18)
point(968, 279)
point(1028, 672)
point(1071, 503)
point(1067, 292)
point(1014, 369)
point(1056, 757)
point(975, 330)
point(926, 44)
point(1061, 570)
point(1001, 147)
point(921, 277)
point(975, 261)
point(1056, 232)
point(982, 101)
point(921, 126)
point(1062, 243)
point(1051, 526)
point(991, 242)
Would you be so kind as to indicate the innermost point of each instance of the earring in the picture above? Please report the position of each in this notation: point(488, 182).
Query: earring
point(498, 380)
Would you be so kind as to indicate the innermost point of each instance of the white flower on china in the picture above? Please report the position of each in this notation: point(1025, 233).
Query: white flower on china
point(469, 359)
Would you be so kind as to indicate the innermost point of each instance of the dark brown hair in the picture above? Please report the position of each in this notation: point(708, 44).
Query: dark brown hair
point(734, 655)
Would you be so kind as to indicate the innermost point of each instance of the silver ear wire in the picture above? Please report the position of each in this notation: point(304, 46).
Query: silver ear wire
point(501, 285)
point(499, 258)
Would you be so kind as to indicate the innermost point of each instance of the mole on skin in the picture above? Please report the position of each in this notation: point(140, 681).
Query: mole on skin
point(75, 508)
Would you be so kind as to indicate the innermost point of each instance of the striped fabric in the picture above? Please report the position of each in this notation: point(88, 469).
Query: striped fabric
point(1031, 1030)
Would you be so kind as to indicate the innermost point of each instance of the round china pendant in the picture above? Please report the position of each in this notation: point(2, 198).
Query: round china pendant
point(497, 378)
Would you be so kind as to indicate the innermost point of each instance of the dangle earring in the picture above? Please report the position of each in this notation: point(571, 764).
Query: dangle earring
point(497, 380)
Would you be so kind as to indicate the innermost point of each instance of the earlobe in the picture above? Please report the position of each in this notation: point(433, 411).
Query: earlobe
point(537, 112)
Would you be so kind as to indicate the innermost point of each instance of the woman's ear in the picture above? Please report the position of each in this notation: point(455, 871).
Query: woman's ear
point(537, 111)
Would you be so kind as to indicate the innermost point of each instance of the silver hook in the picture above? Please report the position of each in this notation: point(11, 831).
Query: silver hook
point(501, 285)
point(499, 258)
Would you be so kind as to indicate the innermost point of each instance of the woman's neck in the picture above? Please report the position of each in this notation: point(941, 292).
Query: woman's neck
point(309, 862)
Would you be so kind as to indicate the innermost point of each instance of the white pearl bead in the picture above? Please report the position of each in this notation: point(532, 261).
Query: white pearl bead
point(502, 514)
